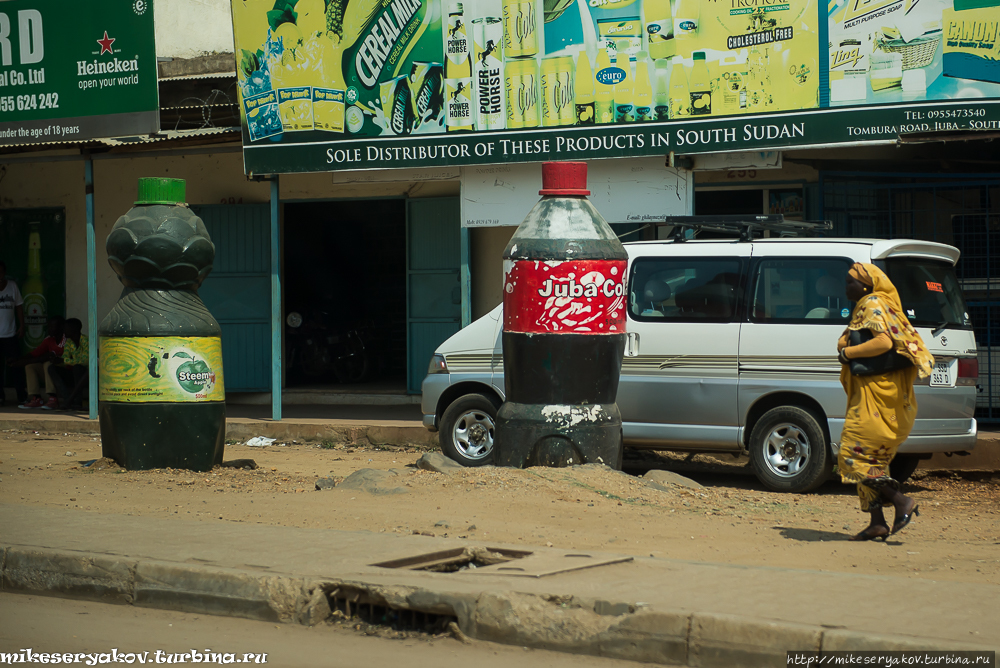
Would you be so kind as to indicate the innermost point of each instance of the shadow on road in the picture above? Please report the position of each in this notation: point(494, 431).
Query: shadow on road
point(817, 535)
point(810, 535)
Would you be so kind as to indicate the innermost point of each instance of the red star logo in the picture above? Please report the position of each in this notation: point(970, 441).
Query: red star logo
point(106, 43)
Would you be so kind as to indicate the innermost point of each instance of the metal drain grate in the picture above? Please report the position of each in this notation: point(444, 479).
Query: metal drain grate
point(361, 605)
point(453, 561)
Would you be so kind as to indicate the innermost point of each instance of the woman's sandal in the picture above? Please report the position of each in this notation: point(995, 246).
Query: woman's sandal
point(866, 535)
point(901, 523)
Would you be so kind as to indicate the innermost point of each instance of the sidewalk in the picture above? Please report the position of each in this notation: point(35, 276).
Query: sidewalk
point(392, 425)
point(646, 609)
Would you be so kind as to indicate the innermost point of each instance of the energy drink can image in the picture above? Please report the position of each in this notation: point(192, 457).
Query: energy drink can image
point(520, 36)
point(427, 92)
point(458, 72)
point(487, 73)
point(296, 109)
point(397, 106)
point(558, 105)
point(328, 109)
point(521, 83)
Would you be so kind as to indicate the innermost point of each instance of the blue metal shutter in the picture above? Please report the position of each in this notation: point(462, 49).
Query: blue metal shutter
point(238, 291)
point(433, 281)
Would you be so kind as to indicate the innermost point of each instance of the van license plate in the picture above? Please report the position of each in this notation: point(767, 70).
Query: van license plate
point(941, 376)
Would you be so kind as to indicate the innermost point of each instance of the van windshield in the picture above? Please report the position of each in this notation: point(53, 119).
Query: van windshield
point(929, 292)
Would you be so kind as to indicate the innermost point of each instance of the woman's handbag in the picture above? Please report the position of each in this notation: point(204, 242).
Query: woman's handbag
point(878, 365)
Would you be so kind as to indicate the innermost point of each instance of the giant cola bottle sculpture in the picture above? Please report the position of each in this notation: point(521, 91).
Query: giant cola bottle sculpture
point(564, 331)
point(162, 400)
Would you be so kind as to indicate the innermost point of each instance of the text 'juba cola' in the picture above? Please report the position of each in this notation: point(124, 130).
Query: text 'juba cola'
point(162, 397)
point(564, 331)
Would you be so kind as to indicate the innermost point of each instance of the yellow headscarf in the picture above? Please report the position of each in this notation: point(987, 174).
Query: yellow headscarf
point(881, 311)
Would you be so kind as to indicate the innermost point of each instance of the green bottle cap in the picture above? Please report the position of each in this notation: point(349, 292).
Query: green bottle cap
point(155, 190)
point(698, 55)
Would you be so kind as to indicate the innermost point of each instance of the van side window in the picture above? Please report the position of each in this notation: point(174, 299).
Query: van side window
point(684, 289)
point(801, 291)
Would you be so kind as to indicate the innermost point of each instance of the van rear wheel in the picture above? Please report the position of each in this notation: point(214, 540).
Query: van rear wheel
point(788, 450)
point(467, 427)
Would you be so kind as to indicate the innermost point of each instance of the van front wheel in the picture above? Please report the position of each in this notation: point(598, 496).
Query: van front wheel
point(467, 430)
point(788, 451)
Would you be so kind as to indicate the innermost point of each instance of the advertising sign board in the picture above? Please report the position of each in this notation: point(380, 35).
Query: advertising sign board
point(374, 84)
point(639, 190)
point(77, 70)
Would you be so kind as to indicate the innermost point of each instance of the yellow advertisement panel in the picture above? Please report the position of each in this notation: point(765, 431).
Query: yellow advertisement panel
point(322, 70)
point(161, 368)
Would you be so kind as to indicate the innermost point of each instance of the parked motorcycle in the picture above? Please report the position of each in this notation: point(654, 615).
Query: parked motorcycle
point(318, 347)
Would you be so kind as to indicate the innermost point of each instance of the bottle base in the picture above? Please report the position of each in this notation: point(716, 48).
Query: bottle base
point(142, 436)
point(558, 436)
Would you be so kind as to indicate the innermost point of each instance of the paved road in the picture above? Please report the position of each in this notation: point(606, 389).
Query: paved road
point(61, 625)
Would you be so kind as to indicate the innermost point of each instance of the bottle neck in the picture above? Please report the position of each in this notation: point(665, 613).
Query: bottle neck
point(34, 255)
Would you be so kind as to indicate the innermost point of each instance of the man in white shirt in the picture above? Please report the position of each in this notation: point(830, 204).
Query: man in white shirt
point(11, 329)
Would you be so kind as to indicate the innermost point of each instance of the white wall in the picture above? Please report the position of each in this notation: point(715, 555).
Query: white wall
point(192, 28)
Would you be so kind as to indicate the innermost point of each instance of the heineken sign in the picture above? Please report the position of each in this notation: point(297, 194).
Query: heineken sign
point(72, 71)
point(378, 84)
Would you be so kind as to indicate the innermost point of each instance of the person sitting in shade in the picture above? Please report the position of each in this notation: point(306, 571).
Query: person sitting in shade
point(36, 365)
point(71, 375)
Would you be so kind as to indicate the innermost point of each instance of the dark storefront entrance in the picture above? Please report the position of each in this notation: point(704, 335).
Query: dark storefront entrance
point(345, 278)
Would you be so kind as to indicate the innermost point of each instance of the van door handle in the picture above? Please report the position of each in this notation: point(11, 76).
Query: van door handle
point(632, 344)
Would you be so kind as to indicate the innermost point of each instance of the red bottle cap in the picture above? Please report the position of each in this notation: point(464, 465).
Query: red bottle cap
point(564, 178)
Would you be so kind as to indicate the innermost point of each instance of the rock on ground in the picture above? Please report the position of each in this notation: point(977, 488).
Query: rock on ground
point(373, 481)
point(435, 461)
point(661, 478)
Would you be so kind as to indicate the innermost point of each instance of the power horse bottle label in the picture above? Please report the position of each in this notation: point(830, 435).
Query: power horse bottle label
point(137, 369)
point(573, 297)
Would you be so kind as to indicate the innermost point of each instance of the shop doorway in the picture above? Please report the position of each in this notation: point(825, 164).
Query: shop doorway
point(344, 290)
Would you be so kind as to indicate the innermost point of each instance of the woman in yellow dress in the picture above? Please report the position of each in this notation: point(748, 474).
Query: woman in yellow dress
point(881, 407)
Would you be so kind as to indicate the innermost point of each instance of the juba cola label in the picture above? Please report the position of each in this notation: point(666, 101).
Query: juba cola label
point(138, 369)
point(571, 297)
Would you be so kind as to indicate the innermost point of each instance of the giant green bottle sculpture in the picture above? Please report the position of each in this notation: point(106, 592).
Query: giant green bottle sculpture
point(162, 401)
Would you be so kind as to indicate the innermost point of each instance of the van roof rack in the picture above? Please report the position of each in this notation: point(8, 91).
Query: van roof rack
point(746, 225)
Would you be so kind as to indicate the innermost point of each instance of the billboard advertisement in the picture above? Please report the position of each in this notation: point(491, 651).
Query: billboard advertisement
point(72, 71)
point(372, 84)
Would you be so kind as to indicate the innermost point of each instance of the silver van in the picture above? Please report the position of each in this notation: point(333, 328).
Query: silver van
point(732, 349)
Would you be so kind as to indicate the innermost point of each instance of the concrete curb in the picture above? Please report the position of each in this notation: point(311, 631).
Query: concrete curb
point(243, 430)
point(561, 623)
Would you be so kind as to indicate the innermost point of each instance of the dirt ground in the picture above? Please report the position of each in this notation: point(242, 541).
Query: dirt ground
point(733, 519)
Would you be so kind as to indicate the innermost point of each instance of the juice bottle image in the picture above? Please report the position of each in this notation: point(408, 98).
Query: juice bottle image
point(643, 90)
point(661, 99)
point(624, 105)
point(680, 97)
point(700, 86)
point(584, 87)
point(658, 22)
point(457, 72)
point(35, 304)
point(604, 97)
point(686, 14)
